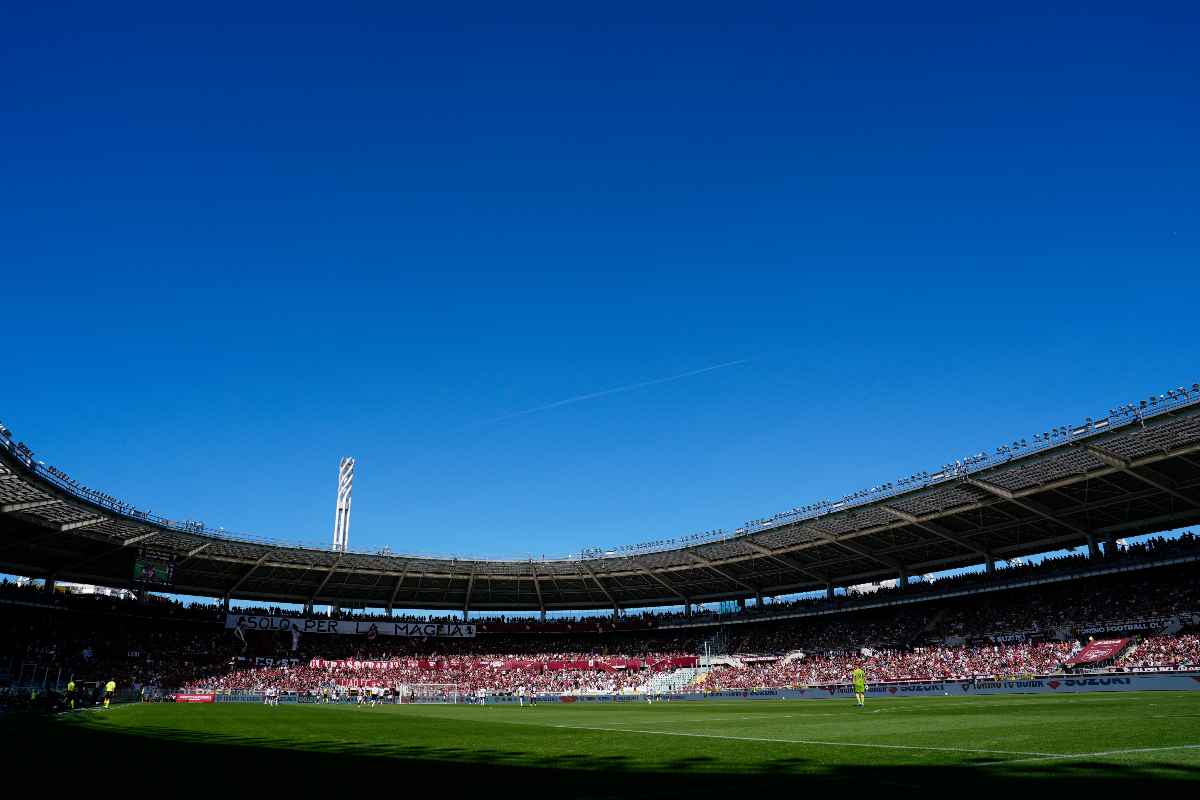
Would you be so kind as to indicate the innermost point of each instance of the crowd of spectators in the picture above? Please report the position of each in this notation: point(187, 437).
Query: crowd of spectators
point(1149, 550)
point(995, 661)
point(920, 664)
point(468, 674)
point(1002, 633)
point(1152, 549)
point(96, 637)
point(1146, 551)
point(1157, 652)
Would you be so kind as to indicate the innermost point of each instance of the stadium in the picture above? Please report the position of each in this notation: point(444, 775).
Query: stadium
point(720, 688)
point(599, 401)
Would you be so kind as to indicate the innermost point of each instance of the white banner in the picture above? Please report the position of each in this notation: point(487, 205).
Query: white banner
point(1149, 623)
point(342, 627)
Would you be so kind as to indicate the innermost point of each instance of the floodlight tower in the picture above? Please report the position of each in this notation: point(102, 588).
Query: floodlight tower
point(341, 515)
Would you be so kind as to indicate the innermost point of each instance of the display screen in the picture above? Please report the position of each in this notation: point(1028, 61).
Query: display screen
point(153, 569)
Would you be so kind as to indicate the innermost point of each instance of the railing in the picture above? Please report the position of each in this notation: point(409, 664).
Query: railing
point(863, 602)
point(61, 481)
point(37, 675)
point(1119, 417)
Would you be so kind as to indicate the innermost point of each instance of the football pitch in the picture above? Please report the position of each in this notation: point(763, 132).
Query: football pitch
point(684, 749)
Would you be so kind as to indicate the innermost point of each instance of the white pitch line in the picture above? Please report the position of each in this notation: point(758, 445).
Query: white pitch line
point(95, 709)
point(1100, 754)
point(1174, 716)
point(818, 742)
point(730, 718)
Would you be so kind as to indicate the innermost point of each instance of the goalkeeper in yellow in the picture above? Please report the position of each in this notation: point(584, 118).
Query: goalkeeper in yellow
point(859, 679)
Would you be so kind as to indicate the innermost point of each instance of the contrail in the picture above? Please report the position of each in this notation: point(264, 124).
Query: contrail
point(616, 390)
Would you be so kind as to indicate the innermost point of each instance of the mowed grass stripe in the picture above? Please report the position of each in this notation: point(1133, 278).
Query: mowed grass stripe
point(713, 738)
point(812, 741)
point(1069, 724)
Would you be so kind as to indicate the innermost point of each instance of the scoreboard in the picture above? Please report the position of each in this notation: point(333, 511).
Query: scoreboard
point(154, 570)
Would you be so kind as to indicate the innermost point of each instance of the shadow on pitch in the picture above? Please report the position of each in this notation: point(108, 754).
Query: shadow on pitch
point(224, 763)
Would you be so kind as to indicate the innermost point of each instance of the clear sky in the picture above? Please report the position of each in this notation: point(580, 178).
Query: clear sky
point(815, 252)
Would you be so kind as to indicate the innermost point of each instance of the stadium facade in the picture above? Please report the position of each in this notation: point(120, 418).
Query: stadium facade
point(1133, 471)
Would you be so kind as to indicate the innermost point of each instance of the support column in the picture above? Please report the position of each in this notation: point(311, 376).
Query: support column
point(1093, 547)
point(543, 615)
point(465, 612)
point(687, 608)
point(829, 595)
point(990, 564)
point(758, 600)
point(903, 577)
point(616, 613)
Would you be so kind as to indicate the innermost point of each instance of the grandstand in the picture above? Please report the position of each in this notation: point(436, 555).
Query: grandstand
point(1134, 470)
point(1098, 617)
point(1146, 596)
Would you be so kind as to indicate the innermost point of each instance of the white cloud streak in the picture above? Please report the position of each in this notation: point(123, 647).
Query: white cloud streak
point(615, 390)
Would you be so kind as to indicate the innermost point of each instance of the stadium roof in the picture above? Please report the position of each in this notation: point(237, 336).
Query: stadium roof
point(1134, 471)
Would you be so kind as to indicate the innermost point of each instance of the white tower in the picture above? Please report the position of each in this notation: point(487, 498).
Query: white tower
point(341, 515)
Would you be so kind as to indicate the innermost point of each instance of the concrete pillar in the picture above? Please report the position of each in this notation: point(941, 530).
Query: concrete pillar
point(1093, 547)
point(903, 577)
point(687, 608)
point(990, 563)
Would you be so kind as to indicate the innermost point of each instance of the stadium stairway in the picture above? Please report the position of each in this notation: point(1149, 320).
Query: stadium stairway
point(728, 661)
point(794, 655)
point(668, 682)
point(927, 629)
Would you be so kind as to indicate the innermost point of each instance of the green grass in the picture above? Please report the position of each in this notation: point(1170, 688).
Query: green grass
point(1093, 741)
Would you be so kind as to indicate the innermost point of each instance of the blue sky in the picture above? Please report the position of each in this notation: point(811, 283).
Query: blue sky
point(236, 248)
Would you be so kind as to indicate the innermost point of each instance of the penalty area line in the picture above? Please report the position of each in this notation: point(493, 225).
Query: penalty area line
point(819, 742)
point(1098, 754)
